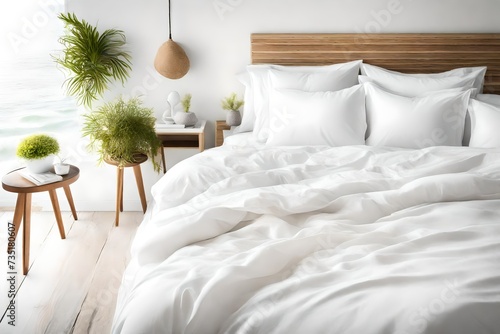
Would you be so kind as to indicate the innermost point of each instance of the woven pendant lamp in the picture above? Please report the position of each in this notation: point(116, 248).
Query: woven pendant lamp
point(171, 61)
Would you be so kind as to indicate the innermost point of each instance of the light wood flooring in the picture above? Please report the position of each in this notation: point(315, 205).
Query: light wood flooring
point(72, 284)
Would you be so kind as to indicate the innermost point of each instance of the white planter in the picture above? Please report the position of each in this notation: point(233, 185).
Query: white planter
point(186, 118)
point(38, 166)
point(61, 169)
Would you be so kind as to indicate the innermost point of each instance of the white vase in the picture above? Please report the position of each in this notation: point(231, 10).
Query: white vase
point(61, 169)
point(39, 166)
point(186, 118)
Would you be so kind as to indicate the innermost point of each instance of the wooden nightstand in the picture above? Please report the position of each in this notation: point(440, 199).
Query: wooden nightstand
point(220, 126)
point(193, 137)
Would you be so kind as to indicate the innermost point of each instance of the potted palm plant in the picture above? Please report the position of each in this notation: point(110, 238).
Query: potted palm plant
point(123, 132)
point(232, 104)
point(93, 59)
point(38, 151)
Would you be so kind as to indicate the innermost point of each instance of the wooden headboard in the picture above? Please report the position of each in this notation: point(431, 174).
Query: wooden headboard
point(407, 53)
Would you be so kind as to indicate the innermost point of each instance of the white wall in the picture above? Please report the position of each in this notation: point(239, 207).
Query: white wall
point(216, 36)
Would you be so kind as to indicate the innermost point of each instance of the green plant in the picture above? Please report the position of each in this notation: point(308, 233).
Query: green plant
point(232, 103)
point(37, 147)
point(92, 58)
point(119, 130)
point(186, 102)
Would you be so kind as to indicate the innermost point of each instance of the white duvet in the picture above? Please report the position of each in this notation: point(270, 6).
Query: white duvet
point(319, 240)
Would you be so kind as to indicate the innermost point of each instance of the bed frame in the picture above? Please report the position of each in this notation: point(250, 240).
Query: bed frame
point(408, 53)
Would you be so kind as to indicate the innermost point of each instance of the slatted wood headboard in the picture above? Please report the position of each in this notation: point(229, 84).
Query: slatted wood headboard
point(408, 53)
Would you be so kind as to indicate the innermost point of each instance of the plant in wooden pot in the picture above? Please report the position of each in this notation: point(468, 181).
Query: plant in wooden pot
point(93, 59)
point(187, 117)
point(123, 133)
point(232, 104)
point(38, 151)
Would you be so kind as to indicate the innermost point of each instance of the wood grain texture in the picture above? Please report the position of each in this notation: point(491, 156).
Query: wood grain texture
point(96, 312)
point(73, 283)
point(220, 126)
point(407, 53)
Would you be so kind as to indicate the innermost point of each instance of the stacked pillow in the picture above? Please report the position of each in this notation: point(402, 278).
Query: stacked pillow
point(485, 121)
point(333, 118)
point(326, 105)
point(258, 87)
point(416, 84)
point(433, 119)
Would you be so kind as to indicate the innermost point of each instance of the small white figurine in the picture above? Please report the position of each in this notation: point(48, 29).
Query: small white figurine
point(173, 105)
point(167, 115)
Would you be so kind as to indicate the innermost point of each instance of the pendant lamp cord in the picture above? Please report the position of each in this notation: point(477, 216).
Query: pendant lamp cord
point(169, 21)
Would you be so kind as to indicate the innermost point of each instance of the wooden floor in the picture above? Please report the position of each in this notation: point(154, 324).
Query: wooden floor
point(72, 284)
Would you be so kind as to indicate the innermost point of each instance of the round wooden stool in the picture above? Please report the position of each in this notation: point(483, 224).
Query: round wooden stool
point(139, 159)
point(14, 182)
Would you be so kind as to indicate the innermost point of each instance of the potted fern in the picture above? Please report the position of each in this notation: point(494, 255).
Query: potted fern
point(232, 104)
point(38, 151)
point(187, 117)
point(123, 132)
point(93, 59)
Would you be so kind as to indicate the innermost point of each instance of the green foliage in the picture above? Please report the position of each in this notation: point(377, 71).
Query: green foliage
point(37, 147)
point(186, 102)
point(232, 103)
point(121, 129)
point(94, 59)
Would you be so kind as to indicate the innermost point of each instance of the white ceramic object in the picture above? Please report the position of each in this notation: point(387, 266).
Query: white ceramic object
point(61, 169)
point(174, 99)
point(186, 118)
point(167, 114)
point(39, 166)
point(233, 118)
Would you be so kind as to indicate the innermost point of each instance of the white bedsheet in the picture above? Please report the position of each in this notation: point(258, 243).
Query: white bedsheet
point(319, 240)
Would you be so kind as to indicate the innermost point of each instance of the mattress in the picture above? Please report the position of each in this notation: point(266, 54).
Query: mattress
point(317, 239)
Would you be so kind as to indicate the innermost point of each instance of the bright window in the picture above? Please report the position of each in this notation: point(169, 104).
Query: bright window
point(32, 99)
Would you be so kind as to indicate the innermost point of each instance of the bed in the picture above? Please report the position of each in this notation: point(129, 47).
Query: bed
point(328, 210)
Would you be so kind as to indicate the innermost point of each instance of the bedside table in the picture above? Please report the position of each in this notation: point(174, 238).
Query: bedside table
point(15, 183)
point(220, 126)
point(192, 137)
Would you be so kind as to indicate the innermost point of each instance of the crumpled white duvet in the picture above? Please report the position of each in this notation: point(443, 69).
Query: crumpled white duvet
point(319, 240)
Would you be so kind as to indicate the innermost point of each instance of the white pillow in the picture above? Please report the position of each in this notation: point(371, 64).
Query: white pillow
point(485, 124)
point(493, 99)
point(436, 119)
point(318, 118)
point(313, 81)
point(416, 84)
point(262, 85)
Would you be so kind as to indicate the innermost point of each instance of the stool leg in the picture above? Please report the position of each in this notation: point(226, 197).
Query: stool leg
point(163, 159)
point(18, 215)
point(57, 212)
point(119, 194)
point(67, 191)
point(140, 186)
point(26, 233)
